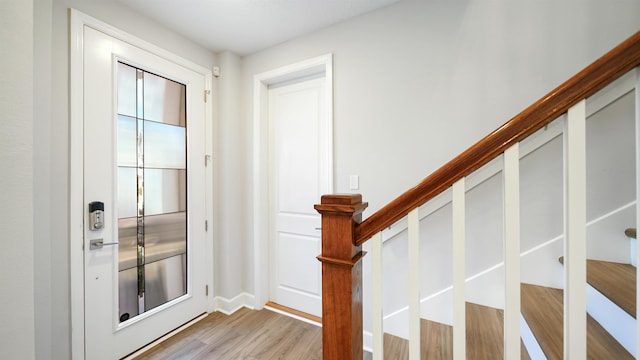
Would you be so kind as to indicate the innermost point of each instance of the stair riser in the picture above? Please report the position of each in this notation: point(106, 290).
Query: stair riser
point(530, 342)
point(616, 321)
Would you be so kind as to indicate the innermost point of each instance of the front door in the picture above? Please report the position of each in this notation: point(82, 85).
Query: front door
point(144, 186)
point(298, 177)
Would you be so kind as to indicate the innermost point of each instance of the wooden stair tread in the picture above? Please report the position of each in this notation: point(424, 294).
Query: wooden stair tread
point(616, 281)
point(484, 337)
point(542, 307)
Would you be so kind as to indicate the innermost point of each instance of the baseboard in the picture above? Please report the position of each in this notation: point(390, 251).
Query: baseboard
point(229, 306)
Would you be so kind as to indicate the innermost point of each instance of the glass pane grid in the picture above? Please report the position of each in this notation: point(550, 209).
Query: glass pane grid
point(152, 189)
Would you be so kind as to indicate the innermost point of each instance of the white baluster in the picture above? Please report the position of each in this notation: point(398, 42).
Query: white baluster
point(414, 284)
point(512, 252)
point(637, 254)
point(575, 304)
point(376, 289)
point(459, 233)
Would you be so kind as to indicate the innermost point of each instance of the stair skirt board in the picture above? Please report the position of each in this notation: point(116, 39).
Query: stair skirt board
point(616, 321)
point(530, 342)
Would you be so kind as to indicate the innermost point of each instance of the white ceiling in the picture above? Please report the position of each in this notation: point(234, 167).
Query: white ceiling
point(247, 26)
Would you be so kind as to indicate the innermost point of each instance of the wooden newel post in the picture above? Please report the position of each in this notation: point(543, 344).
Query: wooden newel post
point(341, 277)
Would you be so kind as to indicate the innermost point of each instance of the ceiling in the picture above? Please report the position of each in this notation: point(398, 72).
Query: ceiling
point(246, 26)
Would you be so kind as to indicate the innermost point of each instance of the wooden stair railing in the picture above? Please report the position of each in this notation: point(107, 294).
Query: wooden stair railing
point(343, 233)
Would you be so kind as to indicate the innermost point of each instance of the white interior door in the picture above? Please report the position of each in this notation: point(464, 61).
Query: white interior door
point(299, 175)
point(144, 145)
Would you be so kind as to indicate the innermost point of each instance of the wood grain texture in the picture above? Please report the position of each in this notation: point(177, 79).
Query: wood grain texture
point(542, 307)
point(295, 312)
point(484, 336)
point(247, 334)
point(587, 82)
point(341, 277)
point(616, 281)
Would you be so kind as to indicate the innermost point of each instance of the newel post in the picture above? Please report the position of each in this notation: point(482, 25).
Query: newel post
point(341, 277)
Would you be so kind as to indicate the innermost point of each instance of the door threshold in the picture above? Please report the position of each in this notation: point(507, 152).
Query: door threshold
point(164, 337)
point(297, 314)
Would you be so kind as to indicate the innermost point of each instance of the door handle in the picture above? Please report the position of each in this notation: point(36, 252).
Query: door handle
point(99, 244)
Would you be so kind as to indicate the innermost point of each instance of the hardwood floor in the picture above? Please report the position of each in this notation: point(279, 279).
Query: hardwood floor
point(247, 334)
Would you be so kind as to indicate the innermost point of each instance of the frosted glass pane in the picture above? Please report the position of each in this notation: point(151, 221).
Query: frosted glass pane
point(127, 243)
point(164, 236)
point(126, 90)
point(127, 192)
point(126, 141)
point(165, 191)
point(164, 281)
point(128, 294)
point(164, 100)
point(164, 146)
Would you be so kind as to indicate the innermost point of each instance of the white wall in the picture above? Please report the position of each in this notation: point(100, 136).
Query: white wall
point(418, 82)
point(232, 185)
point(17, 333)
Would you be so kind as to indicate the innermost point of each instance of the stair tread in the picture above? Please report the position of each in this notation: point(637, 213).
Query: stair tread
point(484, 337)
point(616, 281)
point(542, 307)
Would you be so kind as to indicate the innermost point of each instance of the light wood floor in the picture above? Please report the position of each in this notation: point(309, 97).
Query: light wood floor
point(247, 334)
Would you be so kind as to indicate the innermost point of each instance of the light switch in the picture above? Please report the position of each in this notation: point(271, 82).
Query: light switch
point(354, 182)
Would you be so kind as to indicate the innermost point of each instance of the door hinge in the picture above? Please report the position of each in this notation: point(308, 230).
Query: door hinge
point(206, 290)
point(206, 93)
point(206, 225)
point(207, 159)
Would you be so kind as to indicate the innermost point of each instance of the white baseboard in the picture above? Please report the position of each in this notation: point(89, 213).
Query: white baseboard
point(229, 306)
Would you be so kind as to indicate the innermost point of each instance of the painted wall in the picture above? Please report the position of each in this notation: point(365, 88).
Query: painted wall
point(418, 82)
point(232, 184)
point(17, 333)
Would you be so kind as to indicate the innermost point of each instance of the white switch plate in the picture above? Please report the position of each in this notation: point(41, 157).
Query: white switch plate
point(354, 182)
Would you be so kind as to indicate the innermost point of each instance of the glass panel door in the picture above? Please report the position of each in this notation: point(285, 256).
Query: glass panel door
point(152, 191)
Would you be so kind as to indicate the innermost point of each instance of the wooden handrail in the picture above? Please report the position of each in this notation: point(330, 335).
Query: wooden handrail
point(587, 82)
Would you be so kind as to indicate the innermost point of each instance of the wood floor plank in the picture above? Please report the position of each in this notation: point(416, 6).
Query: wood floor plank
point(542, 307)
point(247, 334)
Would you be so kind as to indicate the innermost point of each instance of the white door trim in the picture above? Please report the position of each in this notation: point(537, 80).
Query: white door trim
point(261, 82)
point(76, 149)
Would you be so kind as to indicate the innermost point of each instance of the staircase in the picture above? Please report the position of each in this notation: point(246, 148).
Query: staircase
point(542, 309)
point(484, 336)
point(479, 332)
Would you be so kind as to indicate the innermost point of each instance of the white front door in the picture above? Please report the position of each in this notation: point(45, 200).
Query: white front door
point(144, 150)
point(299, 171)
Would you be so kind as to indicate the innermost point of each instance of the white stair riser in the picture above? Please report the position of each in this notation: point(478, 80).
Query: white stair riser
point(616, 321)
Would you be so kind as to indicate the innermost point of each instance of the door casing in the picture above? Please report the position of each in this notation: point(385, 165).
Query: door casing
point(261, 209)
point(76, 148)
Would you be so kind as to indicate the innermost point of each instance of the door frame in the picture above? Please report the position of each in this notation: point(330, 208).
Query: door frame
point(77, 216)
point(261, 206)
